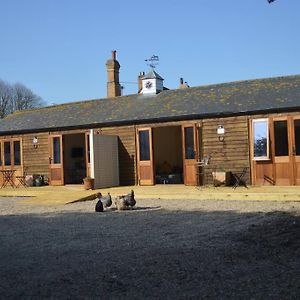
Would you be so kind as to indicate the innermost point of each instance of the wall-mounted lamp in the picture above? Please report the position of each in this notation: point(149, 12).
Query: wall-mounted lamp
point(35, 142)
point(221, 133)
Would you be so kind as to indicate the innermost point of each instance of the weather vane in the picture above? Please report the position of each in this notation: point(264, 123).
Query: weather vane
point(152, 61)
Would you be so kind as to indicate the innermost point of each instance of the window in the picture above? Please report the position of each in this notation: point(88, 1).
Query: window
point(260, 139)
point(56, 150)
point(297, 136)
point(7, 158)
point(144, 145)
point(281, 138)
point(189, 142)
point(17, 153)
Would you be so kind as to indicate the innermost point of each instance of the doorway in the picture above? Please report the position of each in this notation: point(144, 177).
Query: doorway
point(167, 150)
point(286, 133)
point(74, 158)
point(168, 154)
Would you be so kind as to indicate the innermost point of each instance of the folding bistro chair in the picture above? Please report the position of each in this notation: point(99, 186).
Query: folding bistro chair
point(239, 178)
point(22, 179)
point(200, 169)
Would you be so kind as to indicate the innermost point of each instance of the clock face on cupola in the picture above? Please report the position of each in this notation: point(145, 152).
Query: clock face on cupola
point(152, 83)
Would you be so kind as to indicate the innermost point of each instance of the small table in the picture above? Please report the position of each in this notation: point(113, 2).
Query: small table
point(8, 178)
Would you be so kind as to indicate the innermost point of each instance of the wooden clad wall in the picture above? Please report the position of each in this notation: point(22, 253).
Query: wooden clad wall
point(233, 153)
point(36, 160)
point(127, 157)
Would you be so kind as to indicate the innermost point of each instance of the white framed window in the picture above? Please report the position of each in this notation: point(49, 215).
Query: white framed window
point(260, 130)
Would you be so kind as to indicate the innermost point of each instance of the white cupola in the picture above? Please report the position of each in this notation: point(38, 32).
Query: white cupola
point(152, 83)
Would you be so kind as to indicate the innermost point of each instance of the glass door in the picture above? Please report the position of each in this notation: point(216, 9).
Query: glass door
point(56, 160)
point(87, 154)
point(190, 154)
point(145, 156)
point(296, 148)
point(282, 152)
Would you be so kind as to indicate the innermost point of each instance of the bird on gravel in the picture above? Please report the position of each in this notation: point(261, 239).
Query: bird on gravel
point(129, 199)
point(99, 205)
point(106, 200)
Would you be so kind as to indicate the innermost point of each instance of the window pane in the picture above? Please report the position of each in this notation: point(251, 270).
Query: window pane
point(17, 153)
point(297, 136)
point(7, 160)
point(144, 145)
point(189, 143)
point(281, 138)
point(56, 150)
point(260, 136)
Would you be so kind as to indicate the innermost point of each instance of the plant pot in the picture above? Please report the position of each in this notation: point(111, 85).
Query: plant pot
point(88, 183)
point(221, 177)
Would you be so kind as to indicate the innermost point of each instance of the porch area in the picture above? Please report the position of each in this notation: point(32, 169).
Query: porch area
point(61, 195)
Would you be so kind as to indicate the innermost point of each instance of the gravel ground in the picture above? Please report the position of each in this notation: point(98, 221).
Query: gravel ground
point(164, 249)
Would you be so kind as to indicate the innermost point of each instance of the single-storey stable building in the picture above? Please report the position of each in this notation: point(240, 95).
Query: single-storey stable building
point(162, 133)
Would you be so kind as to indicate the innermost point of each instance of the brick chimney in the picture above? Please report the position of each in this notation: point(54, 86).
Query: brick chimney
point(140, 81)
point(113, 84)
point(183, 85)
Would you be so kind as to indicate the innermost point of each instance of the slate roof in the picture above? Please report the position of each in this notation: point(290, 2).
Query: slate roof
point(228, 99)
point(153, 75)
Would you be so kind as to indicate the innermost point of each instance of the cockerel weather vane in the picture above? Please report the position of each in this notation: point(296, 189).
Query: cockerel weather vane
point(152, 61)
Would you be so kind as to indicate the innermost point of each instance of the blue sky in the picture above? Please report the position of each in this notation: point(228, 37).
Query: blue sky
point(58, 48)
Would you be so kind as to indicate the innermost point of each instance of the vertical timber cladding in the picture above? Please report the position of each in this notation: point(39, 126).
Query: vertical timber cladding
point(127, 155)
point(36, 160)
point(233, 153)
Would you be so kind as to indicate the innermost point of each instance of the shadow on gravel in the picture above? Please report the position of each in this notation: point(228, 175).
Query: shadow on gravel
point(153, 254)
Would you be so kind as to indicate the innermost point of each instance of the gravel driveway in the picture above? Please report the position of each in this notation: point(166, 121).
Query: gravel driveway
point(164, 249)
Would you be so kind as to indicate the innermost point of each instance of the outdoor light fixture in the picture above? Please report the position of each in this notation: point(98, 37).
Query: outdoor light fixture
point(221, 133)
point(35, 142)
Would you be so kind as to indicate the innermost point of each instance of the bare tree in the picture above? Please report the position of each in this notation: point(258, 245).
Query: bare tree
point(24, 98)
point(17, 97)
point(6, 98)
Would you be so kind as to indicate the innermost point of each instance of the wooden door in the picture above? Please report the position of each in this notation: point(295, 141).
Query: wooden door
point(11, 157)
point(16, 153)
point(190, 153)
point(295, 133)
point(2, 161)
point(145, 156)
point(56, 160)
point(87, 154)
point(283, 156)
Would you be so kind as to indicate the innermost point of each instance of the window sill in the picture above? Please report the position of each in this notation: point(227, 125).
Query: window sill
point(261, 159)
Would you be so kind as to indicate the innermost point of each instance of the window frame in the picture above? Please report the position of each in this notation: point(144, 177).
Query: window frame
point(11, 141)
point(11, 161)
point(261, 158)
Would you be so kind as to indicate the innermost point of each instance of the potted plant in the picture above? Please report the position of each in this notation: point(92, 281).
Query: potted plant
point(88, 183)
point(221, 177)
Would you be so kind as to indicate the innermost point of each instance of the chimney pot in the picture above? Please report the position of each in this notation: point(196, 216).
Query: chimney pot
point(140, 81)
point(114, 54)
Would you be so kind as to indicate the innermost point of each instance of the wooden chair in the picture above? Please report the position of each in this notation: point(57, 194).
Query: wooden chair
point(22, 179)
point(200, 168)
